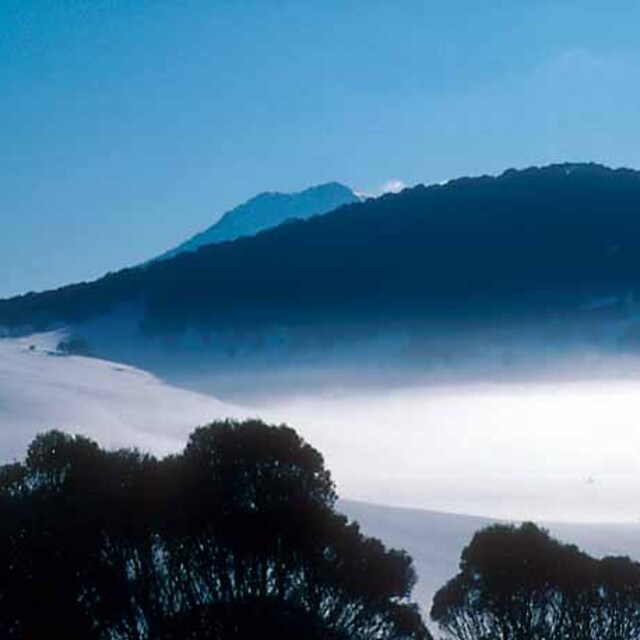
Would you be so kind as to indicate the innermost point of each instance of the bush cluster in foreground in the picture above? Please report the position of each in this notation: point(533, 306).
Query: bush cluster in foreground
point(519, 583)
point(234, 538)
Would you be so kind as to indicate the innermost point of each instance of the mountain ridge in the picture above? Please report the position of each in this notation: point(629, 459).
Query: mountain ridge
point(507, 256)
point(265, 211)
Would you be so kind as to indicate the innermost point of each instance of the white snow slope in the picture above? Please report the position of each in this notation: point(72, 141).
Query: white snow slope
point(115, 404)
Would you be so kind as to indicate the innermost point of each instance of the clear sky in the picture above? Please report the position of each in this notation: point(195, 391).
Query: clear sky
point(127, 125)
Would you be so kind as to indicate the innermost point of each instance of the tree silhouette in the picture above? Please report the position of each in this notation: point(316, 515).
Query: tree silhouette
point(518, 583)
point(236, 537)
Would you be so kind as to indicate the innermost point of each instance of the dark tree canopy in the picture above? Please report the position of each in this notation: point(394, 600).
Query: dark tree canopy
point(234, 538)
point(518, 583)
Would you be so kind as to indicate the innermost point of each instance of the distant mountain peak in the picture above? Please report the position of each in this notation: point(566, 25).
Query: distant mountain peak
point(267, 210)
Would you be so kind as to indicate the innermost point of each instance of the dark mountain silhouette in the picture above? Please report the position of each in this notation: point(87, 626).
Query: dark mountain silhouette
point(558, 243)
point(268, 210)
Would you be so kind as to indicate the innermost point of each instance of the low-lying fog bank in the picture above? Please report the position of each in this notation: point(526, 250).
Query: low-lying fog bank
point(565, 451)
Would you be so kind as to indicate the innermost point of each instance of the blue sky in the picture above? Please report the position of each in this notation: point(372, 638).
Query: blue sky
point(125, 126)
